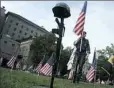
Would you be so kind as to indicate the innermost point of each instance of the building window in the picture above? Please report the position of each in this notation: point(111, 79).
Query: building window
point(13, 34)
point(32, 31)
point(9, 26)
point(5, 42)
point(20, 31)
point(17, 24)
point(25, 33)
point(14, 29)
point(13, 45)
point(11, 21)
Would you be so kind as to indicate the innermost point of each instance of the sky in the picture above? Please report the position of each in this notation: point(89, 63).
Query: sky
point(99, 23)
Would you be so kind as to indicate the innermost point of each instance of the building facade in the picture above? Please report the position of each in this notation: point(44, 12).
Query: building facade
point(8, 47)
point(2, 18)
point(20, 28)
point(25, 50)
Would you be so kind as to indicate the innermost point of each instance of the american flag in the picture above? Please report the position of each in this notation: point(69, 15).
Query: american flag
point(11, 62)
point(13, 59)
point(40, 65)
point(47, 68)
point(70, 76)
point(91, 73)
point(79, 27)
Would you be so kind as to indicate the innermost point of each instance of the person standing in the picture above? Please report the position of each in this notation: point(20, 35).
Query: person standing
point(82, 51)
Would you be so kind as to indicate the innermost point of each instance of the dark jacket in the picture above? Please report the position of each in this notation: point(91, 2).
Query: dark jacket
point(85, 46)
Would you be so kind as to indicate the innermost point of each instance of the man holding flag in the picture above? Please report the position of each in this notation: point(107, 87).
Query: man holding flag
point(82, 46)
point(80, 56)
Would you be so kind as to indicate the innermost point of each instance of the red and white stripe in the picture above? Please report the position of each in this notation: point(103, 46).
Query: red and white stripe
point(91, 73)
point(11, 61)
point(70, 76)
point(46, 69)
point(78, 29)
point(39, 67)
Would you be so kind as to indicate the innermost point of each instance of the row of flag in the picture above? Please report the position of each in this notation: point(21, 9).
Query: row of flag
point(46, 69)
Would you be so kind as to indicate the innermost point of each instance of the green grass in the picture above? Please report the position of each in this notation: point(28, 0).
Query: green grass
point(20, 79)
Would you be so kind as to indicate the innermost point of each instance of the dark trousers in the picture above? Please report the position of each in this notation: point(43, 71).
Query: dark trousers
point(78, 63)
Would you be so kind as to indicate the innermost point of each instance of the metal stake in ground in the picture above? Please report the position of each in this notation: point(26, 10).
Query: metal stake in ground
point(61, 10)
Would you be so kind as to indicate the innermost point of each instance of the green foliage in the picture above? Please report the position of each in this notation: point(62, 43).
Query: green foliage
point(65, 55)
point(101, 60)
point(103, 55)
point(42, 45)
point(19, 79)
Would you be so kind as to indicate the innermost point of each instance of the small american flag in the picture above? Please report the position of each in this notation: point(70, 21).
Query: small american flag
point(39, 67)
point(42, 62)
point(47, 68)
point(91, 73)
point(79, 27)
point(13, 59)
point(11, 62)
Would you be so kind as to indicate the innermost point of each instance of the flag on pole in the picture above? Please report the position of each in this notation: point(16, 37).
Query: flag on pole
point(40, 64)
point(47, 68)
point(70, 76)
point(91, 73)
point(39, 67)
point(70, 62)
point(13, 59)
point(79, 27)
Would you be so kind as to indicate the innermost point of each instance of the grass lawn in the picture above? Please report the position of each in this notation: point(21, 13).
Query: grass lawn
point(20, 79)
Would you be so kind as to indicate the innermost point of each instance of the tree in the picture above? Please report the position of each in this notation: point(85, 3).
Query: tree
point(109, 50)
point(64, 58)
point(42, 45)
point(104, 54)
